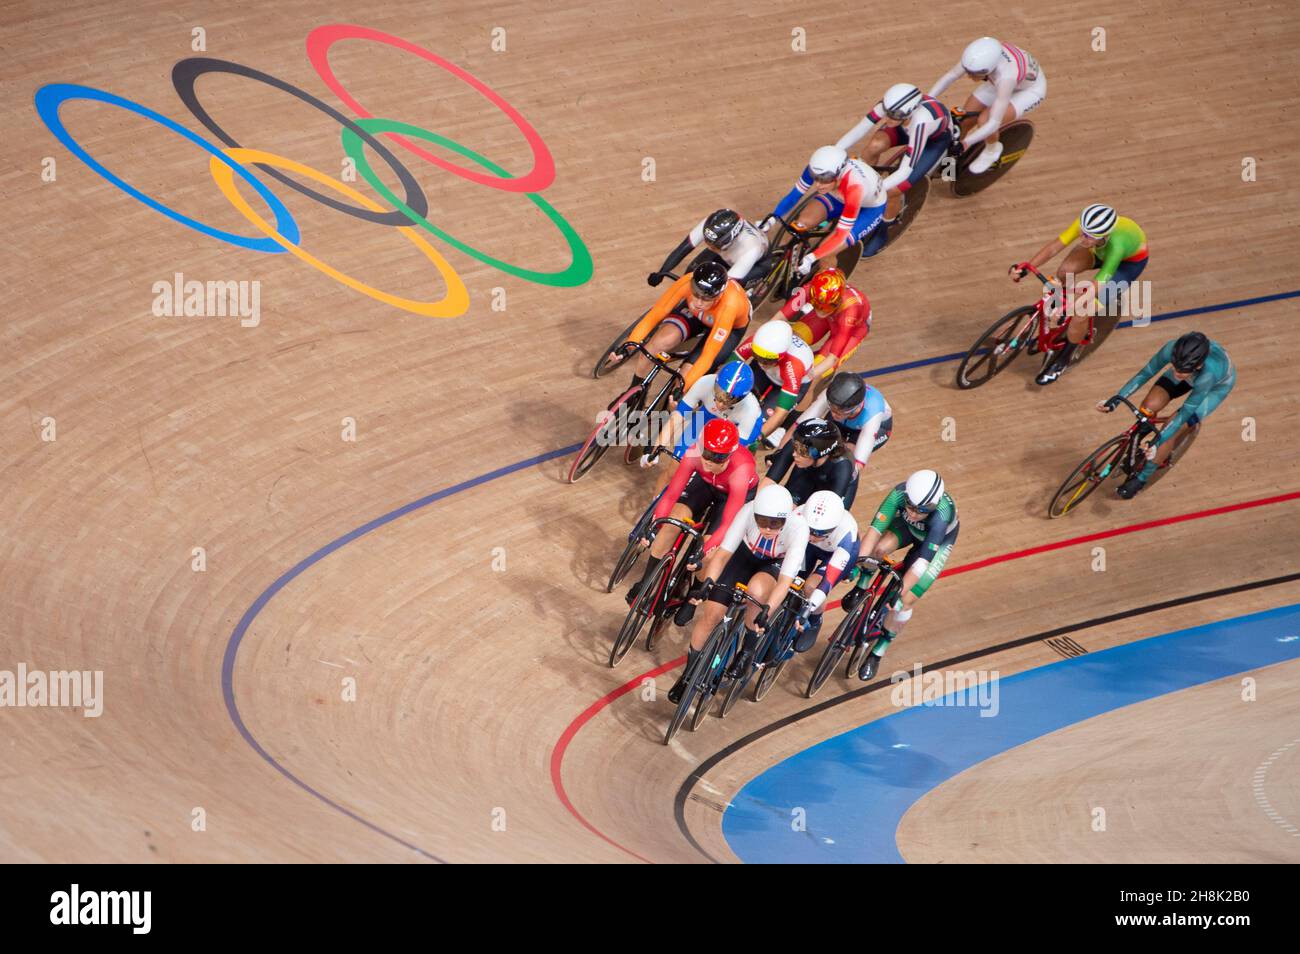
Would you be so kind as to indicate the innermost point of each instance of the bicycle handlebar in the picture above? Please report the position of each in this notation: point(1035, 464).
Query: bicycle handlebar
point(685, 526)
point(629, 346)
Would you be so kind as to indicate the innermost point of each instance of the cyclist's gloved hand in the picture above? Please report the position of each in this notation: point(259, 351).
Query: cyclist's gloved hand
point(1018, 271)
point(807, 263)
point(767, 223)
point(1111, 403)
point(700, 591)
point(814, 603)
point(760, 621)
point(654, 279)
point(652, 458)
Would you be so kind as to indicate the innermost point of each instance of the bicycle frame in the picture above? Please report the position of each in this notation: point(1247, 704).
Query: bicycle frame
point(1050, 337)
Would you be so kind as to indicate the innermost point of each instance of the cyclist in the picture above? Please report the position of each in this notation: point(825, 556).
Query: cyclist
point(727, 238)
point(727, 395)
point(1111, 243)
point(704, 302)
point(833, 543)
point(919, 515)
point(814, 459)
point(859, 207)
point(861, 413)
point(828, 305)
point(904, 117)
point(1199, 368)
point(1012, 82)
point(717, 475)
point(764, 548)
point(786, 361)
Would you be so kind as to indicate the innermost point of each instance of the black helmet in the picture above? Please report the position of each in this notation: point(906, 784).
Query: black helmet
point(1190, 352)
point(721, 228)
point(818, 436)
point(708, 280)
point(846, 392)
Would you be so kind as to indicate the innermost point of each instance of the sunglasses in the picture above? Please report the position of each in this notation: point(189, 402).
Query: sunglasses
point(715, 457)
point(770, 523)
point(923, 511)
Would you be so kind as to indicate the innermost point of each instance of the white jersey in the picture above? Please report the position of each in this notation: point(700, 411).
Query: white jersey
point(742, 254)
point(1017, 72)
point(788, 546)
point(746, 414)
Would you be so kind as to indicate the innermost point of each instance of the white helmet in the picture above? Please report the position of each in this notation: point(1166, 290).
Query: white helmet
point(1097, 220)
point(772, 340)
point(982, 55)
point(827, 162)
point(900, 99)
point(823, 510)
point(924, 490)
point(773, 501)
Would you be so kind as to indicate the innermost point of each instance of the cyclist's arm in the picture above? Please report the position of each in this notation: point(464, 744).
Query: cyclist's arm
point(749, 420)
point(861, 130)
point(790, 565)
point(1195, 409)
point(818, 408)
point(918, 137)
point(1005, 87)
point(853, 198)
point(794, 195)
point(1111, 260)
point(867, 439)
point(669, 300)
point(738, 481)
point(745, 263)
point(675, 487)
point(845, 555)
point(1149, 370)
point(842, 474)
point(887, 511)
point(848, 330)
point(676, 255)
point(724, 321)
point(778, 465)
point(736, 531)
point(946, 80)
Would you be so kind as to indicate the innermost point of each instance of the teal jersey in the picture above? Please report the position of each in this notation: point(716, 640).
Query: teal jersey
point(1210, 386)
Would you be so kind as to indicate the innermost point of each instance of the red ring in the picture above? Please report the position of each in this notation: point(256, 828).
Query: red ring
point(538, 178)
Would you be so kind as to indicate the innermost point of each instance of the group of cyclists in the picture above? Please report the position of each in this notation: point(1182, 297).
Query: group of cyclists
point(784, 388)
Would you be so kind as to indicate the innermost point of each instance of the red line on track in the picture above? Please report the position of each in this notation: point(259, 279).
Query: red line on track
point(562, 744)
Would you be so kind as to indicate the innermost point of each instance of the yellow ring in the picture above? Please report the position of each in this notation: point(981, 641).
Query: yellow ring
point(454, 304)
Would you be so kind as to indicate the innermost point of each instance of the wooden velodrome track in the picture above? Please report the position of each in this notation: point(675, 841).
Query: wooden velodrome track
point(475, 624)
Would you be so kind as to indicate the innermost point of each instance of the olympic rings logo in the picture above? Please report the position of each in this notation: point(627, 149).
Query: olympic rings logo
point(409, 214)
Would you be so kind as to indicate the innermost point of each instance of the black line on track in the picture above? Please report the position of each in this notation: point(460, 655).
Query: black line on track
point(684, 792)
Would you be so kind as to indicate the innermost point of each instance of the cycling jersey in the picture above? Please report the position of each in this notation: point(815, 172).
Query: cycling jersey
point(730, 312)
point(840, 552)
point(1126, 243)
point(788, 546)
point(745, 251)
point(929, 124)
point(835, 475)
point(1210, 386)
point(863, 429)
point(861, 208)
point(1016, 80)
point(735, 480)
point(930, 538)
point(698, 406)
point(848, 323)
point(790, 371)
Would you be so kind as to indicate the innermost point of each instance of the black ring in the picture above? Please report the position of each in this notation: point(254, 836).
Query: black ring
point(186, 73)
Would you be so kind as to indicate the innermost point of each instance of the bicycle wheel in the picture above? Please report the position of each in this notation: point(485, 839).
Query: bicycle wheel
point(914, 199)
point(628, 559)
point(1015, 138)
point(714, 677)
point(641, 609)
point(997, 347)
point(693, 680)
point(1087, 477)
point(1178, 453)
point(675, 593)
point(1102, 327)
point(594, 447)
point(834, 651)
point(604, 365)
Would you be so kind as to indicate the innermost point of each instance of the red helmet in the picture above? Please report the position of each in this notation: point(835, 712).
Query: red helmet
point(825, 288)
point(720, 438)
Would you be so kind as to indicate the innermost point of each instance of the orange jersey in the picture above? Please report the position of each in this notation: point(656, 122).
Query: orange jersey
point(728, 313)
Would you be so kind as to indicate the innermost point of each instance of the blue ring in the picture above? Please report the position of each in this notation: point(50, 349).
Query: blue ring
point(50, 98)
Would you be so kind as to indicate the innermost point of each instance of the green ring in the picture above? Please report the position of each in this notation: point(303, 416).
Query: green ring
point(578, 272)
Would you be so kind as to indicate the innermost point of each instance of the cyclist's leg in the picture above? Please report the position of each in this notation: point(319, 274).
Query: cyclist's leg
point(900, 611)
point(1165, 389)
point(1111, 296)
point(889, 541)
point(821, 207)
point(669, 333)
point(884, 138)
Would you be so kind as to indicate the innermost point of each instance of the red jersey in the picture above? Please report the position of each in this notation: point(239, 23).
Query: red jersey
point(848, 324)
point(735, 480)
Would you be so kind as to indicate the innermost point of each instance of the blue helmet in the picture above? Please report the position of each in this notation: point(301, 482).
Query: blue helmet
point(735, 379)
